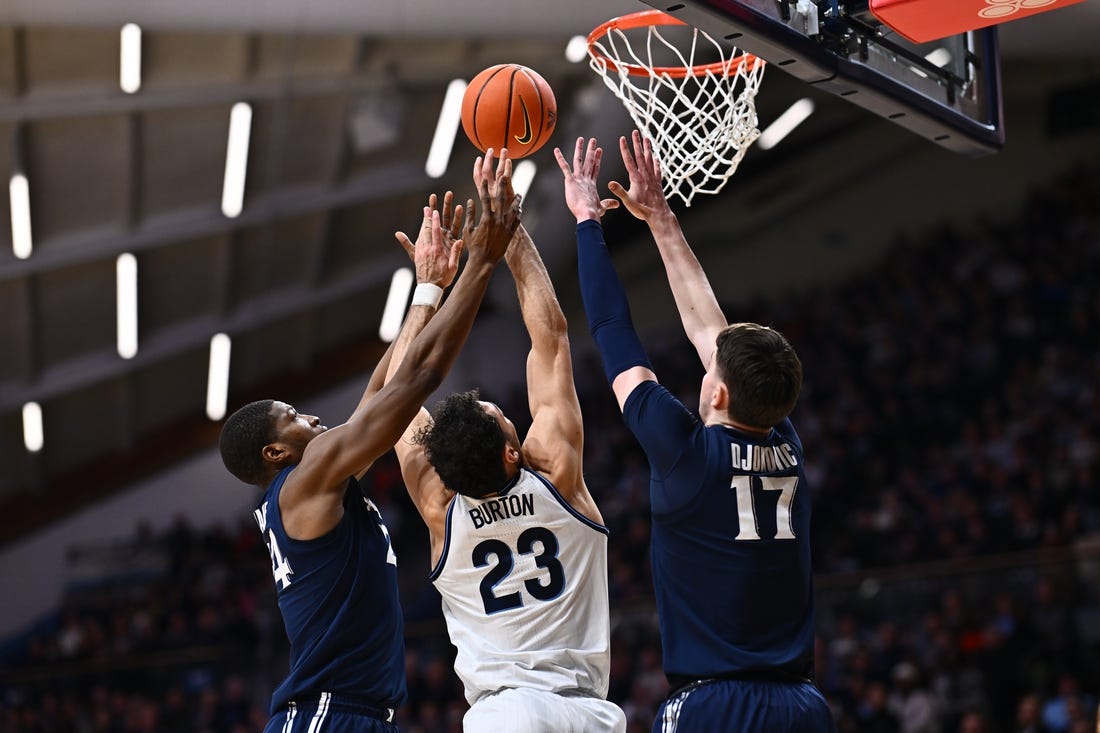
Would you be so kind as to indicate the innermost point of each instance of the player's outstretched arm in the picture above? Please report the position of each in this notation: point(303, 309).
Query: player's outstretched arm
point(435, 264)
point(452, 227)
point(625, 362)
point(554, 444)
point(350, 448)
point(700, 313)
point(436, 267)
point(423, 484)
point(555, 441)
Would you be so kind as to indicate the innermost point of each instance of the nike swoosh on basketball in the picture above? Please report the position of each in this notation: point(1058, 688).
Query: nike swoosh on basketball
point(526, 137)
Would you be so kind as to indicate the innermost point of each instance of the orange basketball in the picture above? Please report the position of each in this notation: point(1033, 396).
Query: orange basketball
point(509, 106)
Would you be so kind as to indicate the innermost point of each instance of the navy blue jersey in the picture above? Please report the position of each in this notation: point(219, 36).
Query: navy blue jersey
point(338, 598)
point(730, 543)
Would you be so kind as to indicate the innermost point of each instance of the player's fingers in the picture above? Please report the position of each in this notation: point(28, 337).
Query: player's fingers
point(617, 188)
point(504, 187)
point(642, 154)
point(455, 255)
point(628, 157)
point(448, 200)
point(578, 161)
point(486, 201)
point(468, 228)
point(561, 162)
point(406, 243)
point(437, 231)
point(606, 204)
point(487, 164)
point(514, 212)
point(651, 159)
point(456, 222)
point(590, 157)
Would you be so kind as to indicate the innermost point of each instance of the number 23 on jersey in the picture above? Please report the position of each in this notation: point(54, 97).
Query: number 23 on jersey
point(543, 588)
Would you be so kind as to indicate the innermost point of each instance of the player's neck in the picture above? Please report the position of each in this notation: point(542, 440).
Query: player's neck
point(738, 426)
point(512, 479)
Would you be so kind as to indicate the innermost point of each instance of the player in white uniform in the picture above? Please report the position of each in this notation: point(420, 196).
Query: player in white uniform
point(518, 546)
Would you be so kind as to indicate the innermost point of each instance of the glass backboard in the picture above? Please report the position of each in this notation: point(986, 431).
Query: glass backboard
point(948, 91)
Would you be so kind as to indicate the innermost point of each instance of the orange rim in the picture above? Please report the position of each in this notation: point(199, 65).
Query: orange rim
point(647, 18)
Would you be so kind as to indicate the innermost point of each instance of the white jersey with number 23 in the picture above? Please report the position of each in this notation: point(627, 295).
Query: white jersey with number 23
point(523, 577)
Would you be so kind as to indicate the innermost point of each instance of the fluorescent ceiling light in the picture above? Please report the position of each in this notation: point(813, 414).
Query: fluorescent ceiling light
point(129, 67)
point(400, 285)
point(795, 115)
point(450, 115)
point(236, 159)
point(126, 305)
point(576, 50)
point(32, 427)
point(19, 194)
point(522, 176)
point(217, 380)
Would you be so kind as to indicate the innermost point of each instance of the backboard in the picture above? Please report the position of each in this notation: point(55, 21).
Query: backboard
point(948, 91)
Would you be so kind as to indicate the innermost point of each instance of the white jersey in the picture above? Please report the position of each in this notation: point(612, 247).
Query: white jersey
point(523, 577)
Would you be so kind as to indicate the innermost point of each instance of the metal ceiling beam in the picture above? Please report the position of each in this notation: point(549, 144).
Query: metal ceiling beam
point(483, 18)
point(31, 108)
point(392, 181)
point(100, 366)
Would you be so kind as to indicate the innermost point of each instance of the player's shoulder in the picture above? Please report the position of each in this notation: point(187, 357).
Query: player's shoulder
point(786, 431)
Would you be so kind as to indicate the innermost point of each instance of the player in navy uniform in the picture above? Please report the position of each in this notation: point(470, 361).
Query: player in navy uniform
point(519, 550)
point(334, 569)
point(730, 539)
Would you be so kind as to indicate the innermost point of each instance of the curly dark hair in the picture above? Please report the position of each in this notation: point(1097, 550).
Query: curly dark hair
point(243, 438)
point(762, 371)
point(465, 446)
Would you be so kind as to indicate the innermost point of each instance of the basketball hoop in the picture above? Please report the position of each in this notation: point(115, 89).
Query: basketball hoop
point(699, 114)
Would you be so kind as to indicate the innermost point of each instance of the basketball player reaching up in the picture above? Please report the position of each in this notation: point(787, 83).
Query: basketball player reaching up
point(334, 569)
point(518, 547)
point(730, 542)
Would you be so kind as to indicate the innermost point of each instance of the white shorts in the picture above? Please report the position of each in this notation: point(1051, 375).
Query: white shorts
point(536, 711)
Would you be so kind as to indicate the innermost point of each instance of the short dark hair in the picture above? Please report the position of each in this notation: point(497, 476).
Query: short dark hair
point(465, 446)
point(243, 438)
point(761, 370)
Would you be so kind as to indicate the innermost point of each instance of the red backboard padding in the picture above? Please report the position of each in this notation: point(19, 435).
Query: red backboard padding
point(922, 21)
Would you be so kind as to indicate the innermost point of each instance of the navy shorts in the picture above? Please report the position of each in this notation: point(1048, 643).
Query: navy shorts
point(328, 714)
point(745, 706)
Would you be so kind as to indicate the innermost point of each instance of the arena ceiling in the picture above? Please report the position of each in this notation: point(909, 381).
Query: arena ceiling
point(345, 95)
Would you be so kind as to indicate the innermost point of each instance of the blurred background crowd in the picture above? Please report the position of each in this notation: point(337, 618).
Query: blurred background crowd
point(951, 418)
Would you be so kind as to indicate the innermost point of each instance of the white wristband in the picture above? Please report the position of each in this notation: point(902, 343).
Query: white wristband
point(427, 294)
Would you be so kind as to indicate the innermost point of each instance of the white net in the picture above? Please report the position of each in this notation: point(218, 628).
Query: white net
point(700, 123)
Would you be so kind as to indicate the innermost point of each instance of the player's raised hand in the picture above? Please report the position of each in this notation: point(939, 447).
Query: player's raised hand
point(500, 214)
point(483, 171)
point(438, 247)
point(645, 198)
point(581, 194)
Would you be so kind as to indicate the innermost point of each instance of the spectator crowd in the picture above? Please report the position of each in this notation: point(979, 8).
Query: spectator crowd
point(951, 418)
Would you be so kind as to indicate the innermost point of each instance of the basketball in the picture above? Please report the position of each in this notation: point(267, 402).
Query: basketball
point(509, 106)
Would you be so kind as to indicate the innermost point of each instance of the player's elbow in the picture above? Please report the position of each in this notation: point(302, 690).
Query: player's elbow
point(556, 342)
point(419, 377)
point(555, 324)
